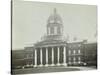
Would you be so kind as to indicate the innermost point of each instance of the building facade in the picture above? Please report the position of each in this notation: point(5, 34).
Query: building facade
point(54, 50)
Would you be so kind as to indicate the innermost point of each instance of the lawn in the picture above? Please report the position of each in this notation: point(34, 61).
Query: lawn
point(49, 69)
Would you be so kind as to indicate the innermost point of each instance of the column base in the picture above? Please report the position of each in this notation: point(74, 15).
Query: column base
point(35, 65)
point(52, 64)
point(40, 65)
point(27, 65)
point(58, 64)
point(65, 64)
point(46, 65)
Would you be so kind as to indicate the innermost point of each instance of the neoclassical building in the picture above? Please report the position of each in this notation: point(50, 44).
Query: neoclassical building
point(52, 49)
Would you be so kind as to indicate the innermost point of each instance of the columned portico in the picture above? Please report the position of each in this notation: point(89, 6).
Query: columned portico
point(51, 51)
point(58, 58)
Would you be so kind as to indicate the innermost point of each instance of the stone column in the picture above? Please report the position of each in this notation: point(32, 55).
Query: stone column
point(64, 56)
point(41, 62)
point(52, 57)
point(46, 57)
point(35, 65)
point(58, 55)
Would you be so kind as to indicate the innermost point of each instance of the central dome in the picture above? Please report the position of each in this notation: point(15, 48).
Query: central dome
point(55, 18)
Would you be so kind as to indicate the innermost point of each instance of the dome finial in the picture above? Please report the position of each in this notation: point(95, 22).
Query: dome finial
point(54, 17)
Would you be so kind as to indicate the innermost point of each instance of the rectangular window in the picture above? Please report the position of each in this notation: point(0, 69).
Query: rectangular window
point(55, 30)
point(48, 30)
point(52, 30)
point(74, 52)
point(69, 62)
point(79, 62)
point(31, 55)
point(69, 52)
point(27, 56)
point(79, 51)
point(69, 59)
point(74, 59)
point(79, 58)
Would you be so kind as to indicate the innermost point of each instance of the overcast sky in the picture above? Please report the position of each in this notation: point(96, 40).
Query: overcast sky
point(30, 19)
